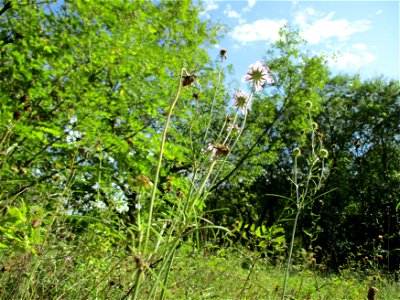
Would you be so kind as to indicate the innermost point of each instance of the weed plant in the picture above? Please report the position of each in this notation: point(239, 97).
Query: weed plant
point(65, 255)
point(53, 253)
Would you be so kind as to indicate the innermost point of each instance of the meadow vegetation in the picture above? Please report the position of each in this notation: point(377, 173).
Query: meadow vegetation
point(130, 169)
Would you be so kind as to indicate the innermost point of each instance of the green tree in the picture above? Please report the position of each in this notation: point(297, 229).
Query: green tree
point(359, 219)
point(85, 89)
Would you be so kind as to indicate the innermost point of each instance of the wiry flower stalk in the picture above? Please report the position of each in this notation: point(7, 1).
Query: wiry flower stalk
point(160, 156)
point(257, 75)
point(223, 56)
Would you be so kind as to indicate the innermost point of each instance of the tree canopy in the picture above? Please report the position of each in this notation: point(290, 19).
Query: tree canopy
point(85, 87)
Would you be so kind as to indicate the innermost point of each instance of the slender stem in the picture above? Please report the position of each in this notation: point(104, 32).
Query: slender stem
point(290, 254)
point(238, 136)
point(162, 296)
point(233, 124)
point(139, 221)
point(298, 204)
point(7, 133)
point(206, 177)
point(214, 99)
point(221, 131)
point(136, 286)
point(155, 183)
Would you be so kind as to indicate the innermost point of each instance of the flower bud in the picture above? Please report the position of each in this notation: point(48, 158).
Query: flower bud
point(296, 151)
point(323, 153)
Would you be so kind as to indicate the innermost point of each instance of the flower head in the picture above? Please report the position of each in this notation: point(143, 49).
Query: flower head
point(241, 101)
point(217, 150)
point(223, 54)
point(258, 75)
point(233, 127)
point(324, 153)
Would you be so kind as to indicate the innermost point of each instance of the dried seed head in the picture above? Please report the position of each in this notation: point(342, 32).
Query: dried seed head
point(320, 135)
point(223, 54)
point(221, 150)
point(217, 150)
point(196, 96)
point(188, 79)
point(179, 194)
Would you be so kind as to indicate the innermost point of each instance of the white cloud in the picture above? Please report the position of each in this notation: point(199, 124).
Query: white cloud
point(210, 5)
point(250, 3)
point(242, 21)
point(230, 13)
point(316, 27)
point(352, 58)
point(359, 46)
point(379, 12)
point(260, 30)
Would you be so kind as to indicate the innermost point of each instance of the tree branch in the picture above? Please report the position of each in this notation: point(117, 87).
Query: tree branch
point(6, 7)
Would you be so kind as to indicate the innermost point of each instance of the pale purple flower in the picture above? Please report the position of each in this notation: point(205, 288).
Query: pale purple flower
point(241, 101)
point(258, 75)
point(234, 127)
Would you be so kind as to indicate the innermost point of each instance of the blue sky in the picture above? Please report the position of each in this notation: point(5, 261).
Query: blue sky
point(364, 35)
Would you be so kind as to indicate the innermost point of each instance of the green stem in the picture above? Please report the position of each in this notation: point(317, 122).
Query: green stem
point(162, 296)
point(290, 254)
point(137, 284)
point(214, 100)
point(298, 200)
point(206, 177)
point(238, 136)
point(155, 183)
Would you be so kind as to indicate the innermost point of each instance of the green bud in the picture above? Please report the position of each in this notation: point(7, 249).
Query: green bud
point(296, 152)
point(323, 153)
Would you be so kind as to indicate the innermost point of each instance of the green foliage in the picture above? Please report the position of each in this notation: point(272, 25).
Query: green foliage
point(270, 241)
point(20, 232)
point(85, 87)
point(227, 275)
point(277, 123)
point(85, 90)
point(360, 121)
